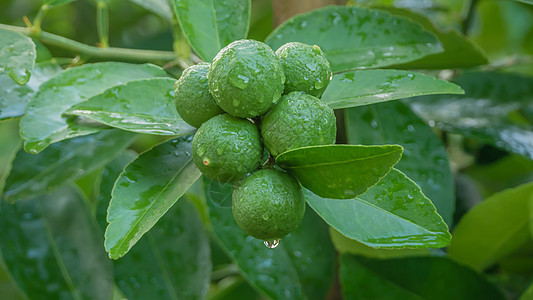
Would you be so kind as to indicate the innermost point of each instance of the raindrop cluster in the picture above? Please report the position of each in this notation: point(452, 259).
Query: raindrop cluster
point(251, 104)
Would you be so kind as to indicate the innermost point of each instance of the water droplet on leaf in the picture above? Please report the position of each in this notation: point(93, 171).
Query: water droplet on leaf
point(271, 244)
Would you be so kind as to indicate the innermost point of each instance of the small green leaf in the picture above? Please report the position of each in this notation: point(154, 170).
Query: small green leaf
point(144, 106)
point(424, 159)
point(159, 7)
point(417, 278)
point(356, 37)
point(211, 25)
point(392, 214)
point(33, 175)
point(17, 55)
point(359, 88)
point(301, 267)
point(44, 124)
point(496, 109)
point(494, 228)
point(459, 51)
point(53, 248)
point(14, 97)
point(340, 171)
point(173, 256)
point(145, 190)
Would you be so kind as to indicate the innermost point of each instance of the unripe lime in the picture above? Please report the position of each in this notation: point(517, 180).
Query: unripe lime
point(226, 148)
point(268, 204)
point(246, 78)
point(306, 68)
point(194, 102)
point(298, 120)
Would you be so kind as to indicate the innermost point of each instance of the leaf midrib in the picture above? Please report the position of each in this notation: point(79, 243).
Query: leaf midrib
point(340, 162)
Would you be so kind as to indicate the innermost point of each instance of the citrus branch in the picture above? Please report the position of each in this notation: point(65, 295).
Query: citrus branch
point(91, 52)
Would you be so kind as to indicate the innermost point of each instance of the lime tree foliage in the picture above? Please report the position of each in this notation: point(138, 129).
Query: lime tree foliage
point(251, 162)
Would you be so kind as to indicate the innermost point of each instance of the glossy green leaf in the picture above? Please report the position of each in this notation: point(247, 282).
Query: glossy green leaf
point(526, 1)
point(211, 25)
point(492, 110)
point(56, 3)
point(459, 51)
point(159, 7)
point(14, 97)
point(356, 37)
point(174, 256)
point(44, 124)
point(17, 55)
point(392, 214)
point(33, 175)
point(301, 267)
point(340, 171)
point(424, 159)
point(494, 228)
point(528, 294)
point(145, 190)
point(53, 248)
point(346, 245)
point(10, 141)
point(417, 278)
point(359, 88)
point(145, 106)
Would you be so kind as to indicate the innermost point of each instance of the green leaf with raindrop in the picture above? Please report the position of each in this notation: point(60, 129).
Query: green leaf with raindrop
point(17, 55)
point(392, 214)
point(424, 159)
point(497, 109)
point(340, 171)
point(35, 174)
point(301, 266)
point(211, 25)
point(144, 106)
point(173, 255)
point(146, 190)
point(356, 37)
point(365, 87)
point(44, 123)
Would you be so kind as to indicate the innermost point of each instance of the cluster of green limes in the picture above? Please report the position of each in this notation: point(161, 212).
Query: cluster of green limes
point(251, 96)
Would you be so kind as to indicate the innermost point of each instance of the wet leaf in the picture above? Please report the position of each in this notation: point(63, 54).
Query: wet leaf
point(356, 37)
point(144, 106)
point(174, 256)
point(392, 214)
point(44, 124)
point(340, 171)
point(145, 190)
point(494, 228)
point(438, 278)
point(301, 267)
point(53, 248)
point(159, 7)
point(359, 88)
point(211, 25)
point(17, 55)
point(33, 175)
point(14, 97)
point(424, 158)
point(459, 51)
point(496, 109)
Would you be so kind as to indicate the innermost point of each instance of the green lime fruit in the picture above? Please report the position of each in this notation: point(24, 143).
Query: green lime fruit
point(194, 102)
point(246, 78)
point(226, 148)
point(306, 68)
point(268, 204)
point(298, 120)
